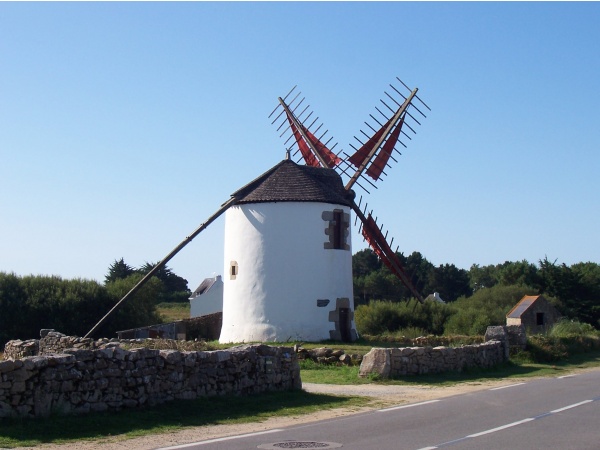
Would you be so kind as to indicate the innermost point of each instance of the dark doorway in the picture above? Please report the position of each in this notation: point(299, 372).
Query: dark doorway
point(345, 324)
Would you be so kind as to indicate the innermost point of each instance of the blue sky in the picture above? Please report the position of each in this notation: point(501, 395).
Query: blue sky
point(123, 126)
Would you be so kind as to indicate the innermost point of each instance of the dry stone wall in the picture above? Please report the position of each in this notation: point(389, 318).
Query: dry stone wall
point(18, 349)
point(111, 378)
point(398, 362)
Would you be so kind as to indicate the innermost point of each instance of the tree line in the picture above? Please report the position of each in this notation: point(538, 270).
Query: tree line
point(482, 294)
point(475, 298)
point(31, 303)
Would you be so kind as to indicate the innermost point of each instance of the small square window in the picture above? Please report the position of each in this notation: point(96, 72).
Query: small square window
point(233, 270)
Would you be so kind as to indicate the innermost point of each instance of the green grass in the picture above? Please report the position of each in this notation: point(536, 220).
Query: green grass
point(314, 373)
point(171, 312)
point(168, 417)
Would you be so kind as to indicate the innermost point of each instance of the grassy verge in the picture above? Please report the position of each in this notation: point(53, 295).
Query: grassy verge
point(314, 373)
point(168, 417)
point(171, 312)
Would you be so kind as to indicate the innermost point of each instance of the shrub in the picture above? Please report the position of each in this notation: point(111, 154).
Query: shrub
point(30, 303)
point(380, 317)
point(566, 328)
point(486, 307)
point(566, 338)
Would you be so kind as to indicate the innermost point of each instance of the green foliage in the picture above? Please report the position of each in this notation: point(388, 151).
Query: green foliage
point(170, 312)
point(364, 262)
point(171, 281)
point(565, 339)
point(140, 309)
point(175, 288)
point(381, 317)
point(570, 328)
point(374, 281)
point(30, 303)
point(118, 270)
point(450, 281)
point(487, 306)
point(12, 305)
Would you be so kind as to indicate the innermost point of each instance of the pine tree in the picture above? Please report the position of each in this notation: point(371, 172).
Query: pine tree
point(118, 270)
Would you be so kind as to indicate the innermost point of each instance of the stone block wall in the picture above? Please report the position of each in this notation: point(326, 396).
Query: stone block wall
point(513, 337)
point(398, 362)
point(111, 378)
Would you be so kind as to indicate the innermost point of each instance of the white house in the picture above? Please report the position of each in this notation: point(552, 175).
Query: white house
point(288, 258)
point(435, 297)
point(207, 298)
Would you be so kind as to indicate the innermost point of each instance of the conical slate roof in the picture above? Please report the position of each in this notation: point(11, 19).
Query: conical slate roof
point(291, 182)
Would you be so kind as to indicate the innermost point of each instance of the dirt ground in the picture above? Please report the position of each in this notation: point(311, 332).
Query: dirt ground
point(382, 396)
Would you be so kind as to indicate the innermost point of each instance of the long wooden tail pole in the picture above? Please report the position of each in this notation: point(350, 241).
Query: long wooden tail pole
point(161, 264)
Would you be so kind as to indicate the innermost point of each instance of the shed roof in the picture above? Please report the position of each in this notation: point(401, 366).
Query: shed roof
point(291, 182)
point(522, 306)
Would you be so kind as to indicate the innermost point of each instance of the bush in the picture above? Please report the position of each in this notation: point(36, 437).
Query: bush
point(381, 317)
point(568, 328)
point(486, 307)
point(566, 338)
point(30, 303)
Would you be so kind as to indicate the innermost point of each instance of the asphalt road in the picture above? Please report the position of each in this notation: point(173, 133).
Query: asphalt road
point(549, 413)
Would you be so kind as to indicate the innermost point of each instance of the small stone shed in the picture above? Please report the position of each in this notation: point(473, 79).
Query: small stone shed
point(534, 312)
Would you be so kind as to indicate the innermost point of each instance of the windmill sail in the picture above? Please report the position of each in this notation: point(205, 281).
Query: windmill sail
point(376, 168)
point(313, 150)
point(305, 150)
point(378, 243)
point(372, 157)
point(362, 154)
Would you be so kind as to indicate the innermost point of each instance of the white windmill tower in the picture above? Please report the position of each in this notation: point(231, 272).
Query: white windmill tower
point(288, 258)
point(288, 274)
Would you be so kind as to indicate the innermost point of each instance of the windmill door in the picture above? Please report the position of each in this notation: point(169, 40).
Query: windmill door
point(345, 325)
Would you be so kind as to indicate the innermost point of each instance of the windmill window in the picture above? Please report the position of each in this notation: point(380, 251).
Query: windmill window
point(337, 229)
point(233, 270)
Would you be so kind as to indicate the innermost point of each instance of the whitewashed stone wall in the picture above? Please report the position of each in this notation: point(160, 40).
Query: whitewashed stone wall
point(82, 380)
point(397, 362)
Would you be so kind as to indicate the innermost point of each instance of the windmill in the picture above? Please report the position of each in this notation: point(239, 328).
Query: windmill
point(288, 261)
point(372, 157)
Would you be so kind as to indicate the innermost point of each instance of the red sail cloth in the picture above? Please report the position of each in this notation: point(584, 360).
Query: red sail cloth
point(330, 158)
point(376, 168)
point(376, 240)
point(363, 153)
point(308, 156)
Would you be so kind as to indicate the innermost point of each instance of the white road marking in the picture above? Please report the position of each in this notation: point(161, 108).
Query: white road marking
point(503, 427)
point(565, 376)
point(575, 405)
point(210, 441)
point(508, 386)
point(509, 425)
point(393, 408)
